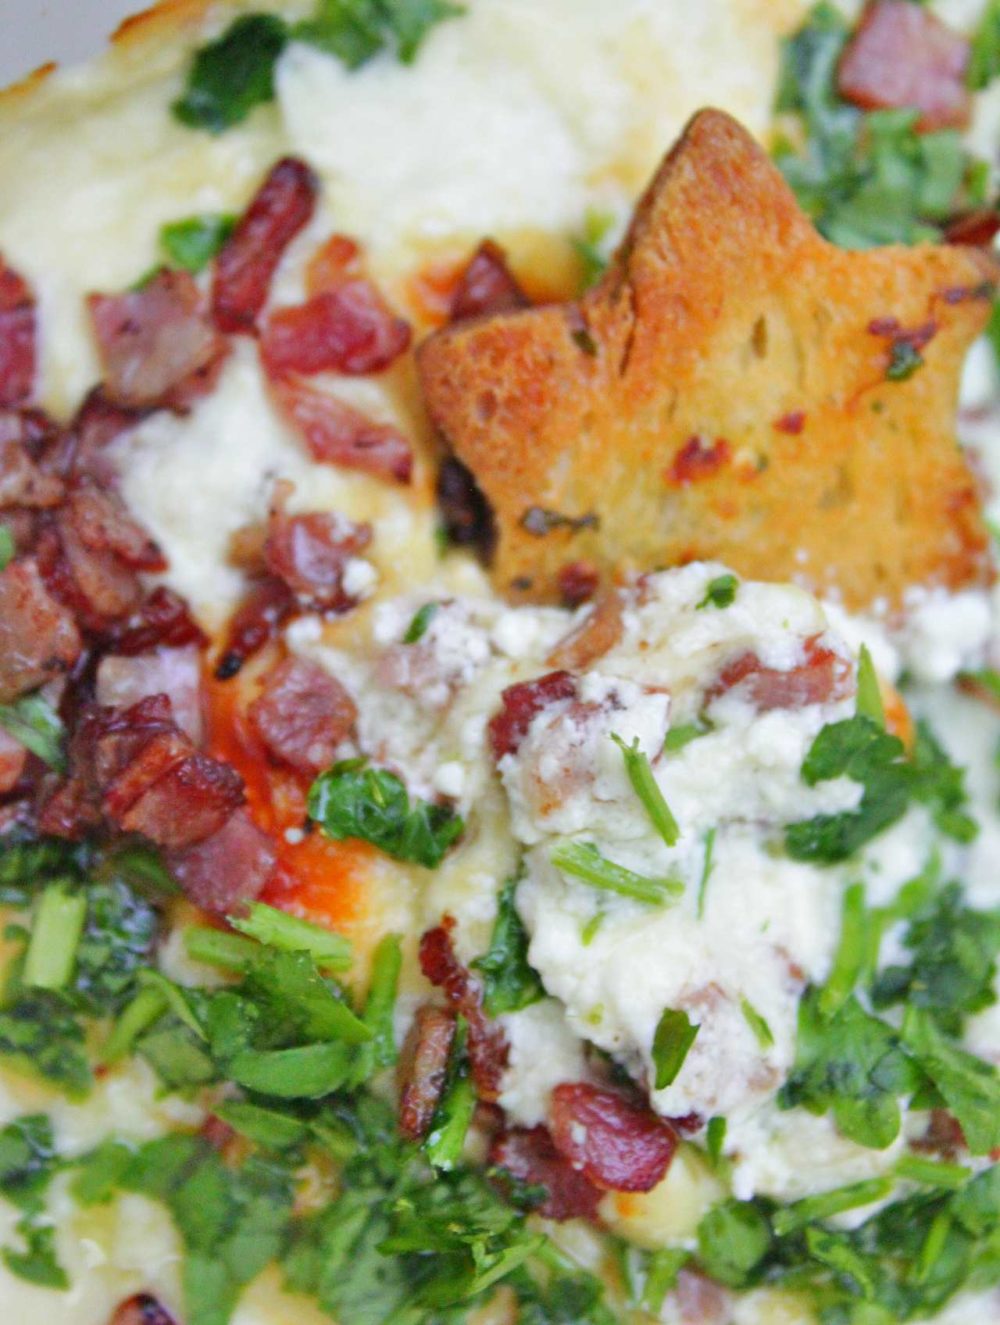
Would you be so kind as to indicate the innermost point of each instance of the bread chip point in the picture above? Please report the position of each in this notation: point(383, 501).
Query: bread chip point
point(735, 388)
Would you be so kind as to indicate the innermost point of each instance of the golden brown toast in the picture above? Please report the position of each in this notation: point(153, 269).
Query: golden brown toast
point(734, 388)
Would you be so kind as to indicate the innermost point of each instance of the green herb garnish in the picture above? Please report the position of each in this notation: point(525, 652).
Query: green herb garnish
point(721, 592)
point(233, 74)
point(675, 1034)
point(762, 1031)
point(583, 861)
point(192, 243)
point(422, 618)
point(268, 925)
point(509, 982)
point(34, 722)
point(645, 786)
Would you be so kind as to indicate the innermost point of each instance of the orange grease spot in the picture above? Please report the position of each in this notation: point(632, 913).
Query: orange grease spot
point(316, 878)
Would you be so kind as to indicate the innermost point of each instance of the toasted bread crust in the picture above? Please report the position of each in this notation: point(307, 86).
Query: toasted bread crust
point(723, 394)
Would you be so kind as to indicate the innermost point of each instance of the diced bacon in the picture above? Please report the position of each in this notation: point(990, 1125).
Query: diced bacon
point(13, 757)
point(903, 57)
point(310, 553)
point(141, 1310)
point(529, 1155)
point(698, 459)
point(823, 677)
point(229, 868)
point(520, 705)
point(22, 483)
point(465, 512)
point(617, 1144)
point(162, 619)
point(96, 587)
point(283, 204)
point(487, 286)
point(349, 329)
point(156, 345)
point(338, 434)
point(30, 427)
point(102, 524)
point(17, 337)
point(423, 1069)
point(257, 620)
point(39, 639)
point(944, 1136)
point(488, 1049)
point(176, 673)
point(78, 451)
point(303, 714)
point(596, 635)
point(578, 581)
point(336, 261)
point(977, 228)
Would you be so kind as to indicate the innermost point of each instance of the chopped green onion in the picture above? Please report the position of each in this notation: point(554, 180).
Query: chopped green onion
point(146, 1008)
point(715, 1138)
point(674, 1036)
point(706, 871)
point(932, 1248)
point(215, 947)
point(278, 929)
point(6, 547)
point(34, 722)
point(931, 1172)
point(851, 952)
point(869, 700)
point(176, 999)
point(661, 1274)
point(417, 628)
point(583, 861)
point(645, 786)
point(265, 1127)
point(589, 931)
point(686, 732)
point(760, 1028)
point(304, 1072)
point(55, 938)
point(812, 1208)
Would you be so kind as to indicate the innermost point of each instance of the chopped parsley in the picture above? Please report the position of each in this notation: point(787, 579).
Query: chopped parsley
point(28, 1162)
point(583, 861)
point(356, 30)
point(34, 722)
point(192, 243)
point(675, 1034)
point(645, 786)
point(373, 805)
point(721, 592)
point(509, 982)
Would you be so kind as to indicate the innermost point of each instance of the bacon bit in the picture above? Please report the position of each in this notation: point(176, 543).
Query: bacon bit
point(102, 524)
point(346, 330)
point(229, 868)
point(283, 204)
point(22, 483)
point(529, 1156)
point(337, 261)
point(141, 1310)
point(303, 714)
point(338, 434)
point(161, 620)
point(578, 581)
point(257, 620)
point(76, 452)
point(944, 1136)
point(423, 1069)
point(176, 673)
point(156, 345)
point(697, 460)
point(976, 228)
point(520, 704)
point(13, 757)
point(38, 637)
point(29, 427)
point(791, 423)
point(17, 337)
point(821, 678)
point(616, 1144)
point(901, 57)
point(467, 515)
point(216, 1133)
point(487, 1045)
point(310, 553)
point(487, 286)
point(688, 1123)
point(596, 635)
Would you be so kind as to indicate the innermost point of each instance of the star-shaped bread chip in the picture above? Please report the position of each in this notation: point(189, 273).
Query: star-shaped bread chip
point(735, 388)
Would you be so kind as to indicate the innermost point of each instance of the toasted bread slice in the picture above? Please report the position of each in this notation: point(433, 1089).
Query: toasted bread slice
point(735, 388)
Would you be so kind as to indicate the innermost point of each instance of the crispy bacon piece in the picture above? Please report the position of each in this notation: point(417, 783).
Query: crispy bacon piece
point(821, 678)
point(77, 451)
point(901, 57)
point(283, 204)
point(30, 427)
point(161, 619)
point(303, 714)
point(578, 581)
point(487, 286)
point(520, 703)
point(22, 483)
point(698, 459)
point(38, 637)
point(978, 228)
point(337, 260)
point(310, 553)
point(423, 1068)
point(596, 635)
point(487, 1045)
point(122, 681)
point(102, 524)
point(617, 1144)
point(17, 337)
point(258, 619)
point(156, 345)
point(229, 868)
point(529, 1155)
point(338, 434)
point(349, 329)
point(13, 757)
point(141, 1310)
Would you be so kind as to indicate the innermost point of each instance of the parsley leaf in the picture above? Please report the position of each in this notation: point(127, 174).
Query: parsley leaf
point(984, 55)
point(939, 783)
point(233, 74)
point(721, 592)
point(674, 1036)
point(34, 722)
point(40, 1035)
point(869, 697)
point(373, 804)
point(192, 243)
point(509, 982)
point(356, 30)
point(28, 1162)
point(969, 1086)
